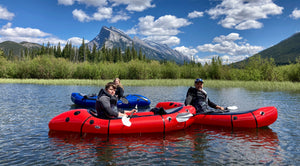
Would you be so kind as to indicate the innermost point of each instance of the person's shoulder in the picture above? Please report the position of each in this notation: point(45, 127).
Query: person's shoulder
point(192, 89)
point(104, 98)
point(101, 92)
point(120, 88)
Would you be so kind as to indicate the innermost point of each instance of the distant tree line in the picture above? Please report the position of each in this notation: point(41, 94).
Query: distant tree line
point(52, 62)
point(81, 54)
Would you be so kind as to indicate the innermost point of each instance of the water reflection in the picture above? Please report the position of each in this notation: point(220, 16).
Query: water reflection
point(196, 144)
point(242, 146)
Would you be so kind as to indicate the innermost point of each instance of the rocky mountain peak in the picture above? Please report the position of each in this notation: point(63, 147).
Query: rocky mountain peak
point(115, 38)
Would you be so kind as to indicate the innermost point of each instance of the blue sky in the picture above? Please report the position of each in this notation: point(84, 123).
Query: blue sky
point(231, 29)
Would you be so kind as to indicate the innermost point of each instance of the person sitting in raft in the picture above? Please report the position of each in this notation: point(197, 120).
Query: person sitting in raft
point(106, 103)
point(198, 98)
point(120, 88)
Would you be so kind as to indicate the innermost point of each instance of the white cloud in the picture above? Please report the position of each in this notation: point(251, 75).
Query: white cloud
point(189, 52)
point(231, 59)
point(227, 45)
point(249, 24)
point(195, 14)
point(131, 5)
point(66, 2)
point(96, 3)
point(228, 48)
point(162, 30)
point(120, 16)
point(243, 14)
point(132, 31)
point(19, 34)
point(295, 14)
point(225, 59)
point(134, 5)
point(117, 18)
point(204, 60)
point(5, 14)
point(76, 41)
point(168, 40)
point(80, 15)
point(7, 31)
point(231, 37)
point(105, 9)
point(102, 13)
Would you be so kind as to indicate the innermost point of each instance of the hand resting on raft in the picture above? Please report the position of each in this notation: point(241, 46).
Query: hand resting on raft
point(126, 112)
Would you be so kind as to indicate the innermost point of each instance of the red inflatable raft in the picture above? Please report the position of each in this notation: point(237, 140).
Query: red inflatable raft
point(83, 121)
point(260, 117)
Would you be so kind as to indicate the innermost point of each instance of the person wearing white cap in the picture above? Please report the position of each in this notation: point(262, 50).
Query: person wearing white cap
point(197, 97)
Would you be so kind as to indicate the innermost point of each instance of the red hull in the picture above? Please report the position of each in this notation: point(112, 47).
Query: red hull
point(261, 117)
point(80, 120)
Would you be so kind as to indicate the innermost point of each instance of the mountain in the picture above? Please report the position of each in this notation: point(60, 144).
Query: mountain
point(115, 38)
point(283, 53)
point(17, 48)
point(31, 45)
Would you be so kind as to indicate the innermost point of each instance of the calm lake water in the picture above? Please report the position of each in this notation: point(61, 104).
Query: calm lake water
point(25, 111)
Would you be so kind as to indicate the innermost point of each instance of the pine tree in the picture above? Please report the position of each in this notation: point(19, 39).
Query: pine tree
point(58, 50)
point(42, 50)
point(94, 53)
point(48, 48)
point(81, 52)
point(115, 55)
point(133, 52)
point(127, 55)
point(88, 55)
point(120, 54)
point(140, 54)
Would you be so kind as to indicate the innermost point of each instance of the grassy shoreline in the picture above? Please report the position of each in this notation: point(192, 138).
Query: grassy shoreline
point(252, 85)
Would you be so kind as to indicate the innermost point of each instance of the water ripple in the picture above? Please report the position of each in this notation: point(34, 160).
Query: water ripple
point(25, 111)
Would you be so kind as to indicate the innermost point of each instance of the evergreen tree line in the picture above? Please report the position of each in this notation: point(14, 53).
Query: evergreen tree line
point(81, 54)
point(112, 63)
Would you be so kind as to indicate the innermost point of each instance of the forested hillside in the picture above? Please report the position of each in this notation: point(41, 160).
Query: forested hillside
point(284, 53)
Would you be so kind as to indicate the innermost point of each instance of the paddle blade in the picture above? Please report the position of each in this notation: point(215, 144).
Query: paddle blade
point(232, 108)
point(124, 100)
point(125, 121)
point(183, 117)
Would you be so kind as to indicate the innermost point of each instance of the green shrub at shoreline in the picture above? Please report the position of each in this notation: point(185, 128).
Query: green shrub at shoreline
point(49, 67)
point(251, 85)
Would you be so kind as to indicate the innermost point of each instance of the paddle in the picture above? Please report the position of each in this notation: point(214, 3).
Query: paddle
point(140, 97)
point(227, 109)
point(183, 117)
point(124, 100)
point(231, 108)
point(125, 119)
